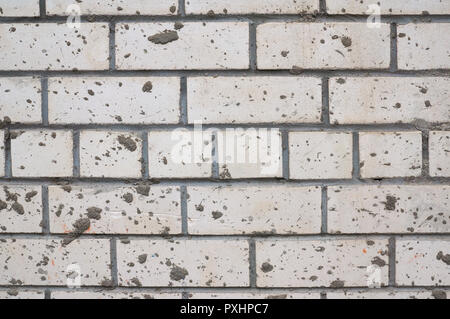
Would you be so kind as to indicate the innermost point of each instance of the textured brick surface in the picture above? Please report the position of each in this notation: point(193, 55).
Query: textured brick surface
point(312, 263)
point(423, 262)
point(21, 100)
point(203, 263)
point(46, 262)
point(251, 6)
point(40, 153)
point(62, 48)
point(248, 210)
point(322, 46)
point(20, 209)
point(110, 154)
point(389, 6)
point(355, 100)
point(254, 100)
point(22, 8)
point(390, 154)
point(204, 149)
point(115, 7)
point(142, 46)
point(114, 100)
point(320, 155)
point(125, 210)
point(440, 153)
point(423, 46)
point(389, 209)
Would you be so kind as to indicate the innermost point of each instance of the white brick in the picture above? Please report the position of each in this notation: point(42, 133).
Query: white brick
point(114, 100)
point(389, 294)
point(273, 294)
point(125, 210)
point(389, 6)
point(254, 99)
point(225, 44)
point(21, 294)
point(110, 154)
point(114, 7)
point(440, 153)
point(58, 294)
point(423, 46)
point(389, 100)
point(2, 153)
point(323, 46)
point(21, 100)
point(389, 209)
point(22, 8)
point(423, 262)
point(41, 153)
point(390, 154)
point(249, 153)
point(319, 155)
point(180, 154)
point(20, 209)
point(249, 210)
point(46, 262)
point(202, 263)
point(50, 46)
point(331, 263)
point(251, 6)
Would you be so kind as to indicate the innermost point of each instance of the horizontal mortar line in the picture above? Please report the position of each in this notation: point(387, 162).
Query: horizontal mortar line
point(258, 18)
point(290, 127)
point(228, 73)
point(260, 236)
point(419, 181)
point(269, 180)
point(233, 289)
point(166, 289)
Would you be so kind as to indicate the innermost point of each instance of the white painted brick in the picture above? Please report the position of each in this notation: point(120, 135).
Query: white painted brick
point(225, 44)
point(180, 154)
point(254, 100)
point(273, 294)
point(251, 6)
point(21, 294)
point(389, 209)
point(20, 209)
point(114, 7)
point(345, 46)
point(249, 153)
point(113, 100)
point(46, 262)
point(41, 153)
point(389, 6)
point(2, 153)
point(389, 294)
point(110, 154)
point(390, 154)
point(439, 153)
point(113, 295)
point(126, 210)
point(51, 46)
point(202, 263)
point(22, 8)
point(254, 209)
point(317, 263)
point(423, 262)
point(319, 155)
point(423, 46)
point(21, 100)
point(382, 100)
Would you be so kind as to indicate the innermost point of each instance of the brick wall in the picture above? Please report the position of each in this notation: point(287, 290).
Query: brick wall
point(338, 186)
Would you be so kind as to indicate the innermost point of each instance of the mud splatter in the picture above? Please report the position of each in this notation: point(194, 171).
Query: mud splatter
point(266, 267)
point(127, 142)
point(164, 37)
point(178, 273)
point(94, 213)
point(390, 203)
